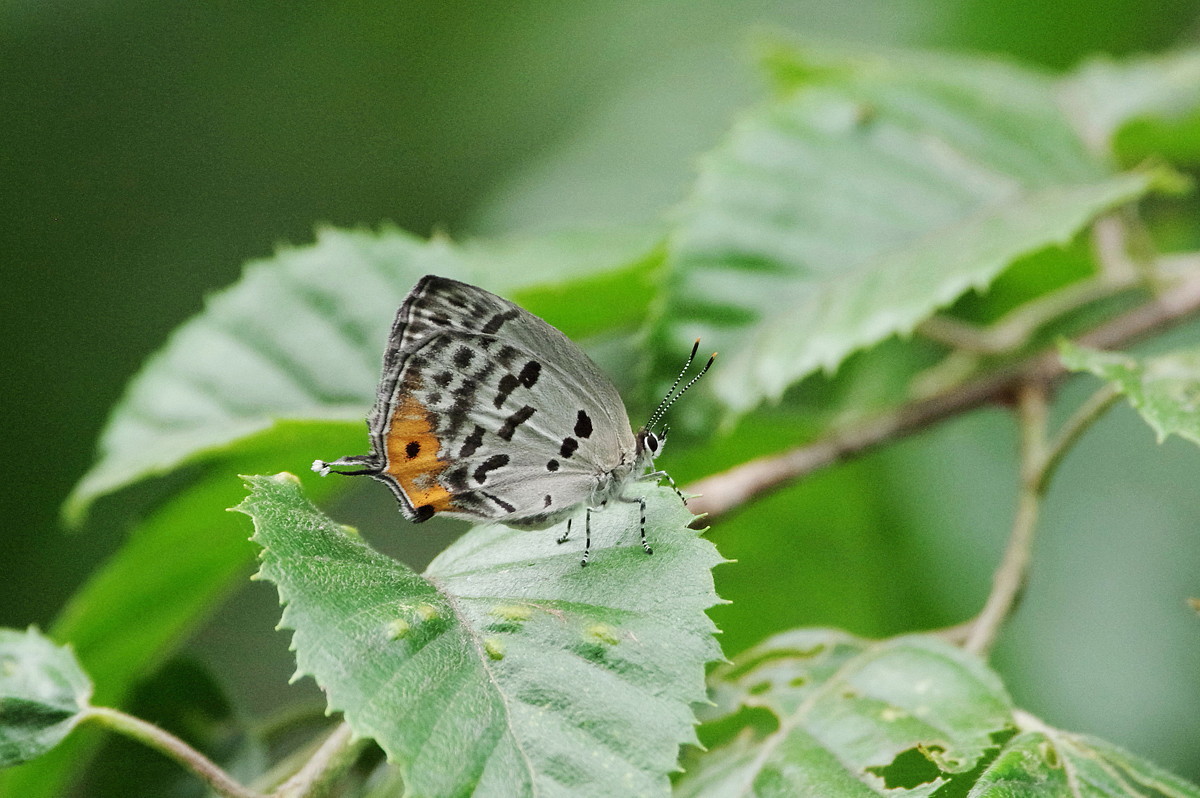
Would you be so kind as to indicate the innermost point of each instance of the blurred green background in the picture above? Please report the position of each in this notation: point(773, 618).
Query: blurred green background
point(148, 149)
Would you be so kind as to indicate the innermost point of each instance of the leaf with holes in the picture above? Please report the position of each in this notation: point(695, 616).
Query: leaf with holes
point(1165, 389)
point(910, 717)
point(506, 669)
point(43, 694)
point(1042, 761)
point(875, 191)
point(855, 718)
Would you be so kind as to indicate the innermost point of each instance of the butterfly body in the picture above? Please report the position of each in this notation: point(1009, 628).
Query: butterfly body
point(486, 412)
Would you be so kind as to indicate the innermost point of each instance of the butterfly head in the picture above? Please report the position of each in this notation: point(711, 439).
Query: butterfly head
point(649, 444)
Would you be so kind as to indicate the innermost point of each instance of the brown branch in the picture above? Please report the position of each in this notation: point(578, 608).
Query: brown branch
point(724, 492)
point(1009, 580)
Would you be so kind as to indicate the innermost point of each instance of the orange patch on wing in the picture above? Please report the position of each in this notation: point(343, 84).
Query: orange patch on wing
point(412, 456)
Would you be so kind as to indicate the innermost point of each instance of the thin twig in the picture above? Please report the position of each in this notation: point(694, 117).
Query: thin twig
point(173, 747)
point(721, 493)
point(1009, 579)
point(330, 761)
point(1095, 406)
point(1040, 458)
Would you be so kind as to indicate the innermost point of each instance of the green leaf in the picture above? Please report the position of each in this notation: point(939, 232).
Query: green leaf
point(43, 694)
point(507, 669)
point(872, 193)
point(301, 337)
point(1042, 762)
point(854, 717)
point(1104, 95)
point(910, 716)
point(1165, 389)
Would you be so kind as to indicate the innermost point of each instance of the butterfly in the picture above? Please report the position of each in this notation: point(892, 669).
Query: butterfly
point(486, 412)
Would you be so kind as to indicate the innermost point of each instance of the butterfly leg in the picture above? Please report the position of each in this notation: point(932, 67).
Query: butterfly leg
point(640, 501)
point(587, 536)
point(658, 475)
point(642, 505)
point(566, 534)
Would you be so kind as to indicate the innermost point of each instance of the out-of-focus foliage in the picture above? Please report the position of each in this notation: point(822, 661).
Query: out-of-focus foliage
point(152, 149)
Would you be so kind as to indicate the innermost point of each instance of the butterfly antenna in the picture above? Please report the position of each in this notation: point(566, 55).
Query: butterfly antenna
point(664, 403)
point(669, 399)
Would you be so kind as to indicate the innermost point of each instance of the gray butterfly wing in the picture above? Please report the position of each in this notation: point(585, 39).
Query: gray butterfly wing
point(486, 411)
point(521, 438)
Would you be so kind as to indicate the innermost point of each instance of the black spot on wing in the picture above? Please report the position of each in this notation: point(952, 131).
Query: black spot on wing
point(496, 322)
point(422, 513)
point(583, 425)
point(569, 445)
point(506, 354)
point(515, 420)
point(456, 479)
point(552, 465)
point(508, 383)
point(490, 464)
point(412, 449)
point(472, 442)
point(464, 400)
point(529, 373)
point(443, 379)
point(463, 357)
point(547, 501)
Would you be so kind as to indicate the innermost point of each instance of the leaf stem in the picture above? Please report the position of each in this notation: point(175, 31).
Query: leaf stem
point(1087, 414)
point(173, 747)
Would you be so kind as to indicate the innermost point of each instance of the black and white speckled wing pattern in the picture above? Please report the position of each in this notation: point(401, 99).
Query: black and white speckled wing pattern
point(436, 304)
point(523, 422)
point(520, 435)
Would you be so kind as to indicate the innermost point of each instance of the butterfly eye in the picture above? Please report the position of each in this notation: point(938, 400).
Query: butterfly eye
point(652, 443)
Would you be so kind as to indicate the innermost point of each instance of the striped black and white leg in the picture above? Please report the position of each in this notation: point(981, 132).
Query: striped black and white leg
point(566, 534)
point(587, 537)
point(642, 504)
point(657, 475)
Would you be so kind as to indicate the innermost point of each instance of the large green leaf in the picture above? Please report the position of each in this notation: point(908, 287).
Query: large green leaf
point(507, 669)
point(906, 717)
point(43, 694)
point(301, 337)
point(853, 716)
point(873, 192)
point(1165, 389)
